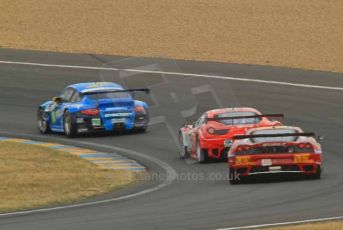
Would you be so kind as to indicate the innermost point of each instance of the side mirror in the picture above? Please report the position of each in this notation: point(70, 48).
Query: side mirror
point(57, 100)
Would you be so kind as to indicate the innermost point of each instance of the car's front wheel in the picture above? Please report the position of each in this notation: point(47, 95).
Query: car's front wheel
point(182, 150)
point(70, 129)
point(42, 123)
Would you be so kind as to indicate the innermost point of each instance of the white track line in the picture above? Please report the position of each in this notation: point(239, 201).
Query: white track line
point(284, 223)
point(177, 74)
point(170, 175)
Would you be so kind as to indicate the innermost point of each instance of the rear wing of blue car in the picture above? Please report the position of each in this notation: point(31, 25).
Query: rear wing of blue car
point(115, 91)
point(245, 117)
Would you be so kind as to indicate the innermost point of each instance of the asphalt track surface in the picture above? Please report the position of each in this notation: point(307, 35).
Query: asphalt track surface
point(201, 197)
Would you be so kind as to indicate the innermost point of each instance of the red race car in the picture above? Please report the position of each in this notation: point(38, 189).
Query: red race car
point(204, 139)
point(274, 150)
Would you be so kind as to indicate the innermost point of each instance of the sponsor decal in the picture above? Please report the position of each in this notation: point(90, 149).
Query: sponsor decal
point(98, 85)
point(96, 122)
point(117, 115)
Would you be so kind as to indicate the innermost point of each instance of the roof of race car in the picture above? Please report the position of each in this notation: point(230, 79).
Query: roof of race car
point(214, 112)
point(95, 86)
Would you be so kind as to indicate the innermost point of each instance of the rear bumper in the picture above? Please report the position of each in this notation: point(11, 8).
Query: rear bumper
point(215, 148)
point(304, 169)
point(84, 124)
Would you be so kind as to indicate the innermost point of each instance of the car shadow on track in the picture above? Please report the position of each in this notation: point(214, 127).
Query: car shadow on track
point(101, 134)
point(264, 179)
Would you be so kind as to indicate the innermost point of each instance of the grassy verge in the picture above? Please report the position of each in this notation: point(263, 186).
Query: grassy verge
point(32, 176)
point(334, 225)
point(294, 33)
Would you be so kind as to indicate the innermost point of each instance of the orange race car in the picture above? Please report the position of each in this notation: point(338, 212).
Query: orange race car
point(204, 139)
point(274, 150)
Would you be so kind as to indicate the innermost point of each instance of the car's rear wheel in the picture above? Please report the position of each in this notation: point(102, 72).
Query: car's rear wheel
point(318, 174)
point(141, 130)
point(201, 153)
point(42, 123)
point(182, 150)
point(233, 177)
point(70, 129)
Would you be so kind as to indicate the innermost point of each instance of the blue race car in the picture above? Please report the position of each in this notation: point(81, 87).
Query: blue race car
point(94, 106)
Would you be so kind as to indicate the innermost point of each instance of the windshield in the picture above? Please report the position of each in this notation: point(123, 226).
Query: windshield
point(238, 121)
point(274, 139)
point(108, 95)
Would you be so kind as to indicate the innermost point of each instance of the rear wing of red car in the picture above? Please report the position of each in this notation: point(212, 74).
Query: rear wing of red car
point(237, 137)
point(280, 115)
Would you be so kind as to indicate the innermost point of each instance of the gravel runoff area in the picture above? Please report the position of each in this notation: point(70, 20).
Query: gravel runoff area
point(293, 33)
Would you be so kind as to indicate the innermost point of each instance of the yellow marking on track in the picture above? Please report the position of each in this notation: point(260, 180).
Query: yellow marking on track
point(96, 158)
point(120, 167)
point(111, 161)
point(79, 151)
point(16, 140)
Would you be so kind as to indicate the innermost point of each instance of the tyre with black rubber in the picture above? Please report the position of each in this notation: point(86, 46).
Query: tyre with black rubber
point(42, 124)
point(70, 129)
point(233, 178)
point(318, 174)
point(145, 127)
point(182, 150)
point(201, 153)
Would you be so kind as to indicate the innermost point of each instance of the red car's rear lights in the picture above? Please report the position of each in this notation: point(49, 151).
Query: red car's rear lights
point(90, 112)
point(303, 158)
point(244, 160)
point(214, 131)
point(211, 130)
point(305, 145)
point(243, 148)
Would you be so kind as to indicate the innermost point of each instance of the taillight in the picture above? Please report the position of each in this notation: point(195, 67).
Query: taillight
point(243, 148)
point(301, 145)
point(303, 158)
point(210, 130)
point(90, 112)
point(139, 109)
point(243, 160)
point(214, 131)
point(305, 145)
point(305, 148)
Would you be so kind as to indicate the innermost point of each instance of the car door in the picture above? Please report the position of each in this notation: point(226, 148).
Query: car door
point(56, 114)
